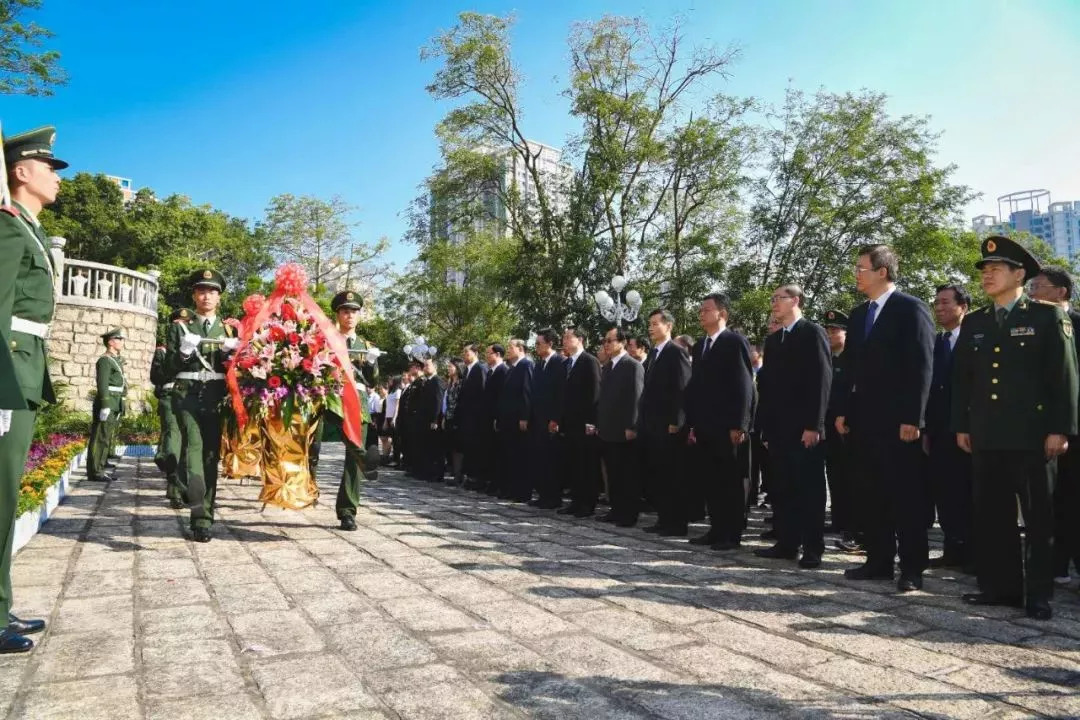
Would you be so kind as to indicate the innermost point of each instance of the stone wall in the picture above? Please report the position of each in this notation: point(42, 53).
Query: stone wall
point(75, 345)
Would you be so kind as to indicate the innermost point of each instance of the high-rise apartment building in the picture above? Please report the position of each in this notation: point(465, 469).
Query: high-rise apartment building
point(1056, 223)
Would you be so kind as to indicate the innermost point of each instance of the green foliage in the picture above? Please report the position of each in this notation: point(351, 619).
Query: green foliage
point(25, 69)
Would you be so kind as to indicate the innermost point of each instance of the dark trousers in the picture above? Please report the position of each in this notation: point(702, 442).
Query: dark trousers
point(949, 471)
point(759, 468)
point(624, 479)
point(545, 467)
point(514, 478)
point(582, 463)
point(893, 499)
point(1067, 510)
point(102, 442)
point(198, 413)
point(167, 457)
point(665, 480)
point(14, 449)
point(725, 486)
point(1000, 477)
point(430, 454)
point(348, 496)
point(838, 462)
point(797, 489)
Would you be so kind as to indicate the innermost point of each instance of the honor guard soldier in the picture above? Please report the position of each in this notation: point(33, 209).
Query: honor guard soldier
point(1014, 406)
point(837, 447)
point(196, 352)
point(108, 406)
point(26, 311)
point(358, 462)
point(167, 457)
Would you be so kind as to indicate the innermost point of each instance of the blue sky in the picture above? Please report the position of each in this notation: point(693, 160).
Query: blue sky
point(234, 102)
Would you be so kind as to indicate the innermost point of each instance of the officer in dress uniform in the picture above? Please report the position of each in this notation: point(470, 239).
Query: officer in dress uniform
point(167, 457)
point(196, 352)
point(108, 405)
point(1014, 406)
point(26, 311)
point(346, 306)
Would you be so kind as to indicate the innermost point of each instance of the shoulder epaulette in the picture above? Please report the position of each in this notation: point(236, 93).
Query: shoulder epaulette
point(10, 210)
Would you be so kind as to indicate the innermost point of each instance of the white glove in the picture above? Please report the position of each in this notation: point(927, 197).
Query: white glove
point(231, 344)
point(189, 343)
point(103, 414)
point(373, 354)
point(5, 421)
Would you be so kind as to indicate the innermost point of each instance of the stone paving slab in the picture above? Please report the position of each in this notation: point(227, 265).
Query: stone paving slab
point(446, 604)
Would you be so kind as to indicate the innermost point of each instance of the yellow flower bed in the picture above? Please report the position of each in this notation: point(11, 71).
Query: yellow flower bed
point(37, 482)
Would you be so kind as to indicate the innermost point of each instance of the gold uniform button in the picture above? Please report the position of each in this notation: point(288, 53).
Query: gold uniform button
point(994, 365)
point(993, 397)
point(993, 380)
point(1039, 406)
point(997, 348)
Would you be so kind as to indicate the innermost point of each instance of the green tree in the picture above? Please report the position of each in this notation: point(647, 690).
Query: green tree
point(26, 69)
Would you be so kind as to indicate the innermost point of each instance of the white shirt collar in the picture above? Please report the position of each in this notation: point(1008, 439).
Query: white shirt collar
point(787, 328)
point(575, 356)
point(953, 335)
point(615, 360)
point(884, 297)
point(211, 318)
point(660, 348)
point(473, 364)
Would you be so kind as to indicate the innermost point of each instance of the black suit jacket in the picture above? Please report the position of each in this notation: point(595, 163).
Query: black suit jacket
point(429, 402)
point(796, 395)
point(581, 396)
point(471, 414)
point(620, 395)
point(666, 376)
point(493, 393)
point(516, 398)
point(887, 378)
point(720, 393)
point(939, 402)
point(549, 383)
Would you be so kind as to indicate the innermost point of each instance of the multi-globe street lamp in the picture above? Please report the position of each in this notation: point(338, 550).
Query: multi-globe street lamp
point(614, 309)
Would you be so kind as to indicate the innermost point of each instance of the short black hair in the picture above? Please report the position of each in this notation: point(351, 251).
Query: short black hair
point(471, 346)
point(882, 256)
point(498, 349)
point(548, 334)
point(960, 295)
point(664, 314)
point(620, 334)
point(578, 332)
point(720, 300)
point(1059, 278)
point(641, 340)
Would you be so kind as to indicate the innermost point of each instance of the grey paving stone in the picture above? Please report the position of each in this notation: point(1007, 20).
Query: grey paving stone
point(336, 608)
point(241, 574)
point(376, 644)
point(82, 614)
point(169, 592)
point(76, 656)
point(521, 619)
point(318, 684)
point(585, 656)
point(274, 632)
point(385, 585)
point(240, 599)
point(190, 621)
point(487, 651)
point(428, 614)
point(167, 568)
point(103, 698)
point(234, 706)
point(629, 629)
point(771, 648)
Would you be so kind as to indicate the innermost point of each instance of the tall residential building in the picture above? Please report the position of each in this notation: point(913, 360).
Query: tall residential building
point(1056, 223)
point(126, 185)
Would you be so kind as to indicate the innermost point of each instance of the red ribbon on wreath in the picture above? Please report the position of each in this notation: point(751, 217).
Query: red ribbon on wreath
point(291, 281)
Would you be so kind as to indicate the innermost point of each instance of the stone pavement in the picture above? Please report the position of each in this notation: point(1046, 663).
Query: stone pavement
point(448, 605)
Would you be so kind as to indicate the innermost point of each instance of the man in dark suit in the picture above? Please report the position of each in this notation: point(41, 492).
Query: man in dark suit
point(890, 345)
point(621, 385)
point(792, 414)
point(661, 425)
point(718, 401)
point(1055, 285)
point(512, 424)
point(492, 462)
point(404, 429)
point(638, 346)
point(580, 398)
point(838, 455)
point(948, 467)
point(429, 401)
point(548, 388)
point(472, 415)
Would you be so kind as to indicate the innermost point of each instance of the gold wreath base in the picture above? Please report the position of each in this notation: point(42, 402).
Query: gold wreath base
point(241, 452)
point(286, 478)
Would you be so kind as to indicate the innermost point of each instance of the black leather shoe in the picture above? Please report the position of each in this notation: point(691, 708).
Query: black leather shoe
point(777, 552)
point(175, 503)
point(946, 561)
point(866, 572)
point(568, 510)
point(673, 532)
point(725, 545)
point(609, 518)
point(706, 539)
point(372, 461)
point(110, 465)
point(909, 582)
point(1038, 610)
point(583, 513)
point(809, 561)
point(13, 642)
point(201, 534)
point(348, 523)
point(104, 477)
point(653, 529)
point(850, 545)
point(991, 600)
point(534, 503)
point(24, 627)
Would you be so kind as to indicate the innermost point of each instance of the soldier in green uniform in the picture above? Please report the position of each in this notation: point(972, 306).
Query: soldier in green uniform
point(26, 311)
point(346, 306)
point(1014, 405)
point(108, 405)
point(167, 457)
point(196, 352)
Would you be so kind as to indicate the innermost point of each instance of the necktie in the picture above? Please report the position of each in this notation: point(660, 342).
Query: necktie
point(708, 345)
point(569, 367)
point(206, 326)
point(871, 313)
point(941, 358)
point(650, 360)
point(783, 336)
point(1001, 313)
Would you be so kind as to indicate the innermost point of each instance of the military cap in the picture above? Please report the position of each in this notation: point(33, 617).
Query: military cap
point(347, 299)
point(207, 278)
point(179, 314)
point(32, 145)
point(112, 333)
point(997, 248)
point(835, 318)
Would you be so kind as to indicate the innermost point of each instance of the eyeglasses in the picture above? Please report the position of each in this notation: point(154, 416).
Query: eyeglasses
point(860, 270)
point(1041, 286)
point(778, 298)
point(608, 341)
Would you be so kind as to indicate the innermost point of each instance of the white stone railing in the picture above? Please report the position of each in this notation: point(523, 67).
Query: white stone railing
point(82, 282)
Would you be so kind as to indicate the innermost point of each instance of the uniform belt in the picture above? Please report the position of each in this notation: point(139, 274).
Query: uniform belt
point(200, 376)
point(116, 388)
point(167, 386)
point(30, 327)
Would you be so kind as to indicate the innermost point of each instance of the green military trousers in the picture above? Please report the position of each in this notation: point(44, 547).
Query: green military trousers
point(102, 444)
point(167, 457)
point(14, 447)
point(198, 415)
point(348, 497)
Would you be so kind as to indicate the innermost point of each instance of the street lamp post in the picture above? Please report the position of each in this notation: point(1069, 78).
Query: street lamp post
point(613, 308)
